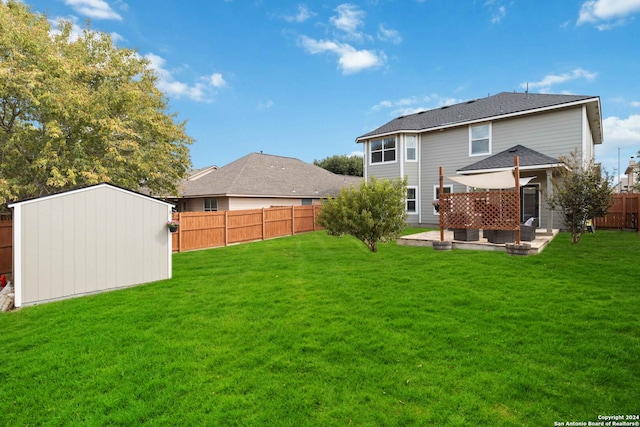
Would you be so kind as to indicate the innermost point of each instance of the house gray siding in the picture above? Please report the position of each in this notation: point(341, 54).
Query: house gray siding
point(449, 150)
point(553, 133)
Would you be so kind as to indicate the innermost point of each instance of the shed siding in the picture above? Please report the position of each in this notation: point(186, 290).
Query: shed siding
point(94, 240)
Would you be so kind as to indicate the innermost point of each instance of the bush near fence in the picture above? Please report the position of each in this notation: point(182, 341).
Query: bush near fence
point(200, 230)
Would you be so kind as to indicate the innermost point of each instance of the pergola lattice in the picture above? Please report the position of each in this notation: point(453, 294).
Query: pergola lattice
point(489, 210)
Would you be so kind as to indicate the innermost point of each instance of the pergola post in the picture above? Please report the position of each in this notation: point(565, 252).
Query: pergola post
point(516, 161)
point(440, 204)
point(549, 210)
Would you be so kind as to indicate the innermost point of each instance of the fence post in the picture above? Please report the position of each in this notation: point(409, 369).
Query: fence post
point(226, 228)
point(293, 220)
point(180, 232)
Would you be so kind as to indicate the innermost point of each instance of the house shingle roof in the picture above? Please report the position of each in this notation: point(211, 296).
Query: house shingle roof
point(528, 159)
point(492, 107)
point(264, 175)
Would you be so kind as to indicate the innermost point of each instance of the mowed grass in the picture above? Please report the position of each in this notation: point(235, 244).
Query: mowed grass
point(316, 330)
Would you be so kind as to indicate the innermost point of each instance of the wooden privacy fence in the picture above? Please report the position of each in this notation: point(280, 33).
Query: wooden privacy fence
point(623, 214)
point(200, 230)
point(6, 246)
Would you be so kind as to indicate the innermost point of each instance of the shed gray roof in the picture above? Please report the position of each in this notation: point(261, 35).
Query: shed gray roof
point(528, 159)
point(502, 105)
point(264, 175)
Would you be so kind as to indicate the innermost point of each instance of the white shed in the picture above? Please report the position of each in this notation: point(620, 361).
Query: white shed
point(89, 240)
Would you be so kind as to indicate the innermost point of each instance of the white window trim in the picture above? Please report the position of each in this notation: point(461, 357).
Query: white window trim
point(204, 204)
point(396, 138)
point(406, 148)
point(471, 154)
point(435, 192)
point(415, 187)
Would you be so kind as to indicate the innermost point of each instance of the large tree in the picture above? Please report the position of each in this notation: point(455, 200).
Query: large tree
point(373, 212)
point(342, 164)
point(581, 192)
point(77, 110)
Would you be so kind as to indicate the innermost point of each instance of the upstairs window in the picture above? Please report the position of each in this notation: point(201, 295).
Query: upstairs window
point(383, 150)
point(411, 142)
point(480, 140)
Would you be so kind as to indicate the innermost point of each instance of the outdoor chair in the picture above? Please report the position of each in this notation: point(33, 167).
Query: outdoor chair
point(528, 230)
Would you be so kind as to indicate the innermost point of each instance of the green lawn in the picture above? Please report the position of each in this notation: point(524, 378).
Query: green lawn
point(315, 330)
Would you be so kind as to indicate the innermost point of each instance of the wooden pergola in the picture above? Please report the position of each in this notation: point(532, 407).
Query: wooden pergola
point(491, 209)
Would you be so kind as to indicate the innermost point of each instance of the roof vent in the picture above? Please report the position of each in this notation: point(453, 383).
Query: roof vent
point(513, 150)
point(445, 107)
point(471, 102)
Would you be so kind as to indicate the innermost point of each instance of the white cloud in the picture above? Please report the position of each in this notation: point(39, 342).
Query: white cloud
point(96, 9)
point(621, 140)
point(199, 91)
point(549, 80)
point(622, 131)
point(414, 104)
point(349, 20)
point(635, 103)
point(265, 105)
point(387, 34)
point(350, 60)
point(606, 14)
point(301, 15)
point(217, 80)
point(497, 16)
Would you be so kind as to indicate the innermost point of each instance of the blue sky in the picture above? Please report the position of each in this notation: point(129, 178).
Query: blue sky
point(304, 79)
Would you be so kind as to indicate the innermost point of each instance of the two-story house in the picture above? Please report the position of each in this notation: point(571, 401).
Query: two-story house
point(484, 135)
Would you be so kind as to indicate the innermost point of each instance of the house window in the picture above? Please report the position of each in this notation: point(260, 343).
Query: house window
point(383, 150)
point(412, 200)
point(411, 142)
point(210, 205)
point(307, 202)
point(436, 194)
point(480, 140)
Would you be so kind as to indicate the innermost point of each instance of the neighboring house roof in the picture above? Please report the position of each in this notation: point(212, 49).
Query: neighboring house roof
point(198, 173)
point(264, 175)
point(528, 159)
point(502, 105)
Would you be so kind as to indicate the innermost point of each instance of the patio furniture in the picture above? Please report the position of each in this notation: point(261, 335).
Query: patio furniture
point(500, 236)
point(528, 230)
point(466, 234)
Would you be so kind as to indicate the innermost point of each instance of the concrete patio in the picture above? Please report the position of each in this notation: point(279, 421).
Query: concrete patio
point(427, 238)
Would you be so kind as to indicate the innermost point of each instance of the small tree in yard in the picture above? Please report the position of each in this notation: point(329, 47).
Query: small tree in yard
point(373, 212)
point(580, 192)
